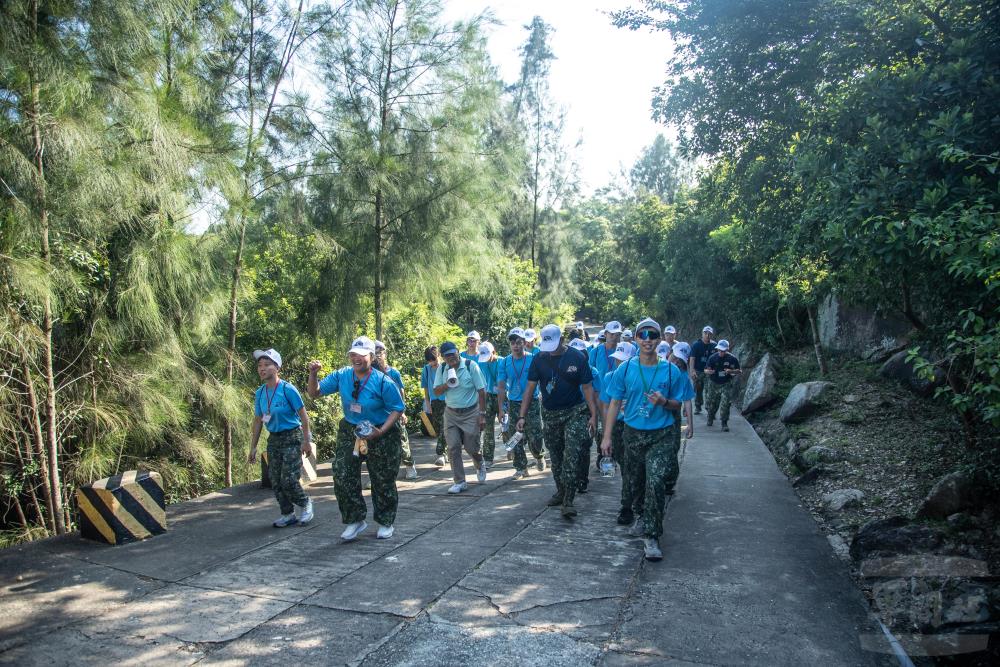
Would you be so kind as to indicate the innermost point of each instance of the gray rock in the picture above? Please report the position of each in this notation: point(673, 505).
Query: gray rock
point(952, 493)
point(892, 536)
point(878, 353)
point(820, 454)
point(898, 368)
point(759, 392)
point(841, 498)
point(803, 401)
point(792, 447)
point(909, 603)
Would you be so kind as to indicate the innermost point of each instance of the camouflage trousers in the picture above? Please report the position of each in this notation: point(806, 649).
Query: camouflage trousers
point(284, 467)
point(720, 397)
point(565, 433)
point(404, 442)
point(382, 459)
point(532, 433)
point(437, 421)
point(489, 431)
point(649, 459)
point(699, 390)
point(675, 469)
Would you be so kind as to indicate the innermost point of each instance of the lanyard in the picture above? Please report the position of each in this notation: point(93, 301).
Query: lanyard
point(517, 376)
point(607, 357)
point(652, 381)
point(271, 397)
point(361, 388)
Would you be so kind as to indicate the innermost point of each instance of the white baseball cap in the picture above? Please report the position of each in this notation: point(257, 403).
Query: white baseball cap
point(623, 352)
point(579, 325)
point(362, 345)
point(722, 345)
point(708, 330)
point(485, 351)
point(379, 345)
point(627, 334)
point(670, 329)
point(516, 332)
point(648, 323)
point(474, 334)
point(613, 327)
point(681, 350)
point(578, 344)
point(551, 333)
point(269, 353)
point(529, 334)
point(663, 349)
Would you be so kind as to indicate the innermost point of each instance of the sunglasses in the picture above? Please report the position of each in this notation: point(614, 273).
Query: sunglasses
point(357, 389)
point(648, 334)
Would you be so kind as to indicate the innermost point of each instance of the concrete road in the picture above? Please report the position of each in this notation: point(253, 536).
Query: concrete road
point(490, 576)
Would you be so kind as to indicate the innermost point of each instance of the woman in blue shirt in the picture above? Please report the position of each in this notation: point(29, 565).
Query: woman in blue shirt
point(653, 389)
point(367, 395)
point(278, 407)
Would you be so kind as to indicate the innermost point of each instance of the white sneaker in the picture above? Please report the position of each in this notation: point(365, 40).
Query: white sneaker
point(635, 530)
point(411, 472)
point(488, 464)
point(306, 515)
point(481, 473)
point(353, 530)
point(651, 547)
point(440, 462)
point(458, 488)
point(384, 532)
point(285, 520)
point(518, 474)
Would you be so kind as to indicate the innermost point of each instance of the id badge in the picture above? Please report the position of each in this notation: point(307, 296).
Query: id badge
point(644, 410)
point(266, 418)
point(356, 408)
point(550, 386)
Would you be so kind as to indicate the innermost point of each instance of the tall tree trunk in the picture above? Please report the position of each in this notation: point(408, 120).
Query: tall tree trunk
point(816, 345)
point(38, 439)
point(378, 288)
point(378, 292)
point(534, 184)
point(51, 436)
point(234, 289)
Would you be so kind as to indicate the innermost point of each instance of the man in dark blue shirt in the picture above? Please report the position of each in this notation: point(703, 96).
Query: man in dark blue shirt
point(722, 369)
point(700, 352)
point(562, 373)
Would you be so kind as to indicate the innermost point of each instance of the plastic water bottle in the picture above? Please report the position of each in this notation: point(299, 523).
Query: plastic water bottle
point(361, 431)
point(505, 423)
point(513, 442)
point(607, 466)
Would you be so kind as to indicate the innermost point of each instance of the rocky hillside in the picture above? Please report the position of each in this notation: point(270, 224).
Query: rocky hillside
point(884, 470)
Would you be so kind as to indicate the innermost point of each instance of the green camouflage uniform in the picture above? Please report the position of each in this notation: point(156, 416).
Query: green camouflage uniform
point(699, 390)
point(724, 393)
point(565, 432)
point(617, 445)
point(383, 463)
point(284, 467)
point(437, 421)
point(583, 465)
point(675, 469)
point(532, 432)
point(489, 432)
point(649, 461)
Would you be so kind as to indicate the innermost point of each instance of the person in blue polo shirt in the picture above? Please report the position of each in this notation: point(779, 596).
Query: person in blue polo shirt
point(653, 389)
point(367, 395)
point(278, 407)
point(631, 498)
point(464, 389)
point(561, 372)
point(530, 338)
point(512, 381)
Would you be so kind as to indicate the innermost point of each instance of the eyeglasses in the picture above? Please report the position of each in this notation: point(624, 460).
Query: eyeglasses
point(648, 334)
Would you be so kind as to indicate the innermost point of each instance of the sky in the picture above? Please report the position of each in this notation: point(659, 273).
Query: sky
point(604, 76)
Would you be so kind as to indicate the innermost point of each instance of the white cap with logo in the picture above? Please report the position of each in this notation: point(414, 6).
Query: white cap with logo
point(648, 323)
point(516, 332)
point(670, 329)
point(623, 352)
point(722, 345)
point(708, 330)
point(578, 344)
point(613, 327)
point(530, 335)
point(663, 349)
point(681, 350)
point(473, 334)
point(551, 333)
point(485, 351)
point(362, 345)
point(269, 353)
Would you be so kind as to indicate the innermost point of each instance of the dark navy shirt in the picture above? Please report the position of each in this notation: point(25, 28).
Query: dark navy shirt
point(560, 378)
point(719, 364)
point(700, 352)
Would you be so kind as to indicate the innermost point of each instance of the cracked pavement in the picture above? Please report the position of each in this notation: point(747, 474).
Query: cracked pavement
point(488, 576)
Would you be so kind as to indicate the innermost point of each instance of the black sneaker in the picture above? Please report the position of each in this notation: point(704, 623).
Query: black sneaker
point(725, 426)
point(568, 511)
point(697, 411)
point(709, 423)
point(555, 500)
point(625, 518)
point(582, 488)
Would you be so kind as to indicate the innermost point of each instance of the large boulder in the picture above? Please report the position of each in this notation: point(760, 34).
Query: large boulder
point(819, 454)
point(893, 536)
point(802, 401)
point(951, 494)
point(759, 392)
point(898, 368)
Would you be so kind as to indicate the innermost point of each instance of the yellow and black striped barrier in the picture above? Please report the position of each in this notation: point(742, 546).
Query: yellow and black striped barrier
point(123, 508)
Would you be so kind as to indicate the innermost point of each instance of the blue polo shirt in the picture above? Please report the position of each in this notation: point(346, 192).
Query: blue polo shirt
point(427, 381)
point(490, 371)
point(378, 396)
point(600, 358)
point(630, 383)
point(470, 381)
point(606, 397)
point(514, 374)
point(597, 381)
point(560, 378)
point(284, 406)
point(396, 377)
